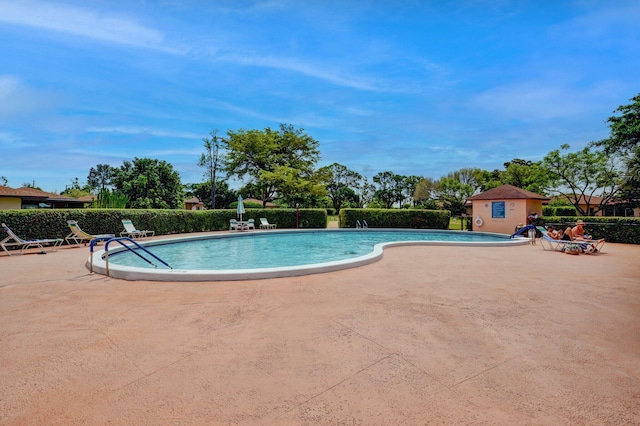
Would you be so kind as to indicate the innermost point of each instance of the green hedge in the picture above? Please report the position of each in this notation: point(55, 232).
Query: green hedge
point(613, 229)
point(396, 218)
point(559, 211)
point(30, 224)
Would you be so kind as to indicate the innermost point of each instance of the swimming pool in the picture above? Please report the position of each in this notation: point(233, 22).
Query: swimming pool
point(260, 254)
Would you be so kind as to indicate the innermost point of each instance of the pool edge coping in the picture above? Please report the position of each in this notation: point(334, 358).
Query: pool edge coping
point(97, 264)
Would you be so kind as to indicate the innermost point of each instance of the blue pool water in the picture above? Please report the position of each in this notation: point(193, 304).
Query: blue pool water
point(276, 249)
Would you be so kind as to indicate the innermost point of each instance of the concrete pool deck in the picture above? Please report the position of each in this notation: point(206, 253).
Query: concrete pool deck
point(427, 335)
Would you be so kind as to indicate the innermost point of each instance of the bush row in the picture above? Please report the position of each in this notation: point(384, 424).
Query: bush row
point(394, 218)
point(31, 224)
point(559, 211)
point(613, 229)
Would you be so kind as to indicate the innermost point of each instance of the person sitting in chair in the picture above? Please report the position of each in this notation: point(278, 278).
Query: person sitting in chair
point(556, 235)
point(577, 233)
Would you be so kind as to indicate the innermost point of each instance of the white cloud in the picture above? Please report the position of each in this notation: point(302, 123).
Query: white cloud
point(601, 22)
point(8, 85)
point(82, 22)
point(132, 130)
point(539, 101)
point(17, 99)
point(11, 141)
point(319, 71)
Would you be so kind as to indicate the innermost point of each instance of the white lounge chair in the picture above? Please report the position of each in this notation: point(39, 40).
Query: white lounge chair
point(251, 224)
point(78, 236)
point(131, 231)
point(14, 241)
point(549, 243)
point(264, 224)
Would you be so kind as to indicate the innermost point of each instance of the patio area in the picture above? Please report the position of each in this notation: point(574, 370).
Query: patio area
point(427, 335)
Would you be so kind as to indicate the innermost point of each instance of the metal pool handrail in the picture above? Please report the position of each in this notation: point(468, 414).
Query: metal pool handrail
point(119, 240)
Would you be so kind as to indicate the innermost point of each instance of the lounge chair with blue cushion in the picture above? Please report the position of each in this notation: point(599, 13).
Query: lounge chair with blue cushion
point(78, 236)
point(132, 232)
point(524, 231)
point(12, 240)
point(549, 243)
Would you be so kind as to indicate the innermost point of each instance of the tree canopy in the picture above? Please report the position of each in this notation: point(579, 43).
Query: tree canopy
point(224, 195)
point(149, 184)
point(210, 160)
point(624, 142)
point(100, 177)
point(342, 185)
point(389, 188)
point(578, 176)
point(625, 129)
point(280, 162)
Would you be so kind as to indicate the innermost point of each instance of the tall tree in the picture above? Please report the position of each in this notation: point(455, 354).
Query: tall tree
point(624, 143)
point(452, 193)
point(296, 187)
point(75, 190)
point(277, 161)
point(389, 188)
point(211, 162)
point(100, 177)
point(409, 186)
point(625, 129)
point(425, 191)
point(630, 192)
point(453, 190)
point(526, 175)
point(342, 185)
point(471, 176)
point(577, 176)
point(149, 184)
point(250, 190)
point(366, 193)
point(3, 181)
point(224, 195)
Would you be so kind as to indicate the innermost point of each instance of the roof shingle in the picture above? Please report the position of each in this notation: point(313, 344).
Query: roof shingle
point(508, 192)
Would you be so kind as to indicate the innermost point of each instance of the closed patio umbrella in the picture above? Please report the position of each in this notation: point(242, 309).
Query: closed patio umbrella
point(240, 209)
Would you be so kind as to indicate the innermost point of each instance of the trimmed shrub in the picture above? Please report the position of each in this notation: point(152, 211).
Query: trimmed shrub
point(52, 223)
point(559, 211)
point(395, 218)
point(613, 229)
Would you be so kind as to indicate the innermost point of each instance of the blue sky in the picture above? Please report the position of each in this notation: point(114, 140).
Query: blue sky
point(413, 87)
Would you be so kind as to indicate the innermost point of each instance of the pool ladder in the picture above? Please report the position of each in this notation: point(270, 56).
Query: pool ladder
point(363, 225)
point(132, 250)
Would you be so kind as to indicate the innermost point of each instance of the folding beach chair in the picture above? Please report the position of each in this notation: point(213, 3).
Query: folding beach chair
point(14, 241)
point(549, 243)
point(78, 236)
point(264, 224)
point(131, 231)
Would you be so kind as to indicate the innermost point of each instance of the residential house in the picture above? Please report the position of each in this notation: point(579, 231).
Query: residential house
point(611, 208)
point(193, 204)
point(31, 198)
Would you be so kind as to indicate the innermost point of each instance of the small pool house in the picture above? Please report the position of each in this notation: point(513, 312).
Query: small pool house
point(504, 208)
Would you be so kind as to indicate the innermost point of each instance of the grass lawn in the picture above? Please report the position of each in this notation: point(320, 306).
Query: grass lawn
point(454, 224)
